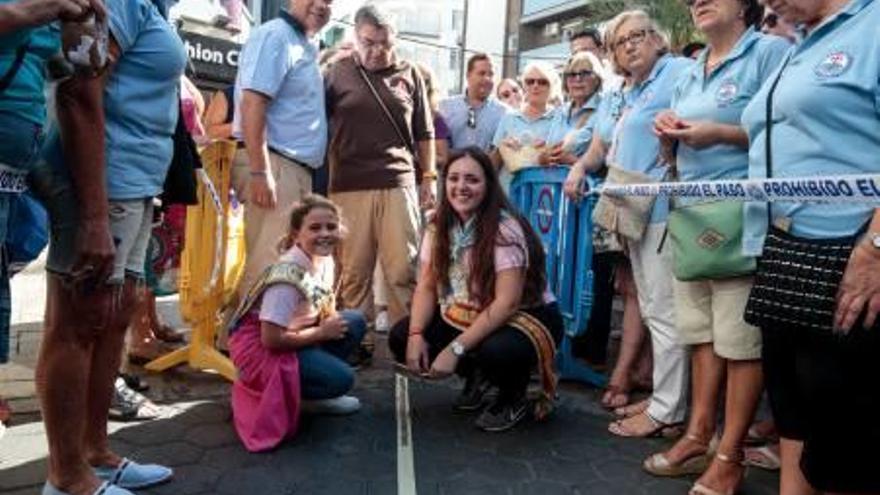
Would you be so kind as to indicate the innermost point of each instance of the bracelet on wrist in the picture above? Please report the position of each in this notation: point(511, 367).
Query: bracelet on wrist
point(414, 332)
point(431, 175)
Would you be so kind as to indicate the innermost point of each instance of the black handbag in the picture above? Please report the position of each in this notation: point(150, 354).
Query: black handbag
point(797, 279)
point(180, 183)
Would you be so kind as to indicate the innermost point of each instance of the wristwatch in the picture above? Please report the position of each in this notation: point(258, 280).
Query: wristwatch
point(874, 240)
point(457, 348)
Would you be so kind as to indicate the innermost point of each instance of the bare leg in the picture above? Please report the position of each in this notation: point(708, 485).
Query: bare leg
point(104, 367)
point(632, 340)
point(791, 478)
point(63, 372)
point(745, 380)
point(708, 372)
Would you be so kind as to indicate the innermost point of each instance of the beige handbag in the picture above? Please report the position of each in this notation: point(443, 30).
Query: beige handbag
point(627, 216)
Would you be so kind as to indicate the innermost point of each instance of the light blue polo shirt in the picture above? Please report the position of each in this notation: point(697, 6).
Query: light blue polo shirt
point(280, 62)
point(826, 121)
point(140, 101)
point(634, 146)
point(567, 119)
point(22, 104)
point(23, 98)
point(527, 131)
point(721, 98)
point(487, 117)
point(608, 113)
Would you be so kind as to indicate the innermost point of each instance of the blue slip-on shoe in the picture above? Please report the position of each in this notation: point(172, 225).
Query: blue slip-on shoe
point(105, 489)
point(133, 476)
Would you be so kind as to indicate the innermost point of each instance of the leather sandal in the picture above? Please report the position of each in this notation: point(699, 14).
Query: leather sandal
point(659, 465)
point(658, 429)
point(701, 489)
point(614, 391)
point(633, 409)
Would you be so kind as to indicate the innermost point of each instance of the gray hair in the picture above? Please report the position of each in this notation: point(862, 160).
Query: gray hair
point(375, 16)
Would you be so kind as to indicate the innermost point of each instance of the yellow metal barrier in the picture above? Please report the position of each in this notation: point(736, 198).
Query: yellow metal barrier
point(208, 263)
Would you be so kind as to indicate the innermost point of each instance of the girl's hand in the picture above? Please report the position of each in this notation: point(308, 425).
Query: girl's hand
point(333, 328)
point(417, 359)
point(666, 121)
point(512, 143)
point(696, 134)
point(444, 365)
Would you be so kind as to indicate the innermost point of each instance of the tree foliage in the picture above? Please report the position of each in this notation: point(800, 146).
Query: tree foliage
point(672, 15)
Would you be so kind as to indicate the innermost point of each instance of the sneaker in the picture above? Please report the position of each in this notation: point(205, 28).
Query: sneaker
point(477, 392)
point(382, 324)
point(361, 357)
point(502, 416)
point(337, 406)
point(128, 405)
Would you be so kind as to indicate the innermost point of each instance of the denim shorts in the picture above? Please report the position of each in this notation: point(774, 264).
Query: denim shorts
point(131, 222)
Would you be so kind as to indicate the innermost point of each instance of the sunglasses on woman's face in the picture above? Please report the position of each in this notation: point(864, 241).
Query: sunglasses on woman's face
point(530, 81)
point(580, 75)
point(770, 21)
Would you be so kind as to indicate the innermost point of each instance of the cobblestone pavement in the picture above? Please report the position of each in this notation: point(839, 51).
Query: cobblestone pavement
point(570, 454)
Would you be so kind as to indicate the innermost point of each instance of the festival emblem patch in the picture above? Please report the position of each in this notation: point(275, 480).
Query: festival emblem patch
point(834, 64)
point(726, 93)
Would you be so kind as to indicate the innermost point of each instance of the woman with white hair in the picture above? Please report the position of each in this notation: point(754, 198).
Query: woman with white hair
point(522, 134)
point(640, 50)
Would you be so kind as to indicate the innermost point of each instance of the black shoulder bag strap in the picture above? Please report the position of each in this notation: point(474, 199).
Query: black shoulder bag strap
point(13, 69)
point(768, 116)
point(406, 142)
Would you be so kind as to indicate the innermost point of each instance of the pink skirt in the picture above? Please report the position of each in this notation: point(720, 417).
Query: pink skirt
point(266, 394)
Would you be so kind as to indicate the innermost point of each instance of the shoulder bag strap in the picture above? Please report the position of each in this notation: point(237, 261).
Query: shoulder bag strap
point(768, 116)
point(400, 134)
point(13, 69)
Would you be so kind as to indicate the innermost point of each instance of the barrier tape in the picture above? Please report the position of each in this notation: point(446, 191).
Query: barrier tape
point(218, 240)
point(12, 180)
point(863, 189)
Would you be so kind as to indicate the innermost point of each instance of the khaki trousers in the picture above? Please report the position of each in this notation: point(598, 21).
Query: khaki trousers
point(382, 224)
point(264, 228)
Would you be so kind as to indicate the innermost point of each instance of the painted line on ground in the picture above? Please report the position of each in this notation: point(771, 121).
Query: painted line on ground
point(406, 473)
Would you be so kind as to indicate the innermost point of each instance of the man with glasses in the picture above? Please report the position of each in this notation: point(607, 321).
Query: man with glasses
point(280, 116)
point(381, 146)
point(473, 116)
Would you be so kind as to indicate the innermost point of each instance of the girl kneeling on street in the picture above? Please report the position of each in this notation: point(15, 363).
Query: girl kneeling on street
point(287, 341)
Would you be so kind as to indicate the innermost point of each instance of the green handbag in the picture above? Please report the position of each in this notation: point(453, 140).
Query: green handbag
point(707, 241)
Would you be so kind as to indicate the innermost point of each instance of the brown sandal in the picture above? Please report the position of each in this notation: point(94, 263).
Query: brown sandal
point(701, 489)
point(659, 465)
point(658, 429)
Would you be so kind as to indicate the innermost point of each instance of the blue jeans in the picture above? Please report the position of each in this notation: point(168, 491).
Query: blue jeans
point(20, 142)
point(323, 372)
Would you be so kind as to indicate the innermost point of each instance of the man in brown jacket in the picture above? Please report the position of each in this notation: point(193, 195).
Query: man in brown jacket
point(381, 142)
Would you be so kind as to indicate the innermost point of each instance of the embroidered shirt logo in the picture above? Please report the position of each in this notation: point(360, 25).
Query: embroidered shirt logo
point(726, 93)
point(833, 65)
point(711, 239)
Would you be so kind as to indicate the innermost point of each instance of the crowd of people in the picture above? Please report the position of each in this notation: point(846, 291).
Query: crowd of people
point(370, 201)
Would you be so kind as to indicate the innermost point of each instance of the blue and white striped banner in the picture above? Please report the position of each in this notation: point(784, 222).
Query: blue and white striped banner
point(863, 189)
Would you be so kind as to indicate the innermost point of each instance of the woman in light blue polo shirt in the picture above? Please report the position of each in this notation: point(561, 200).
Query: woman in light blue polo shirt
point(821, 341)
point(523, 134)
point(640, 50)
point(703, 127)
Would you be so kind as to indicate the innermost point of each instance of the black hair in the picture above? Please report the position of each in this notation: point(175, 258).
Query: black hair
point(591, 33)
point(691, 48)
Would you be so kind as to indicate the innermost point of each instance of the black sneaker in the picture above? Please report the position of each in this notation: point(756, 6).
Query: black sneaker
point(503, 415)
point(477, 392)
point(361, 357)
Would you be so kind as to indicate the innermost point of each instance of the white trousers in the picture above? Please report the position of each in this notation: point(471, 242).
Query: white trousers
point(653, 276)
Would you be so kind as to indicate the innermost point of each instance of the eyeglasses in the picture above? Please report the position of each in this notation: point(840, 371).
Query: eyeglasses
point(770, 20)
point(531, 81)
point(472, 118)
point(580, 75)
point(634, 37)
